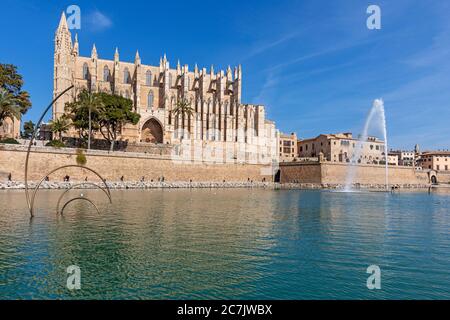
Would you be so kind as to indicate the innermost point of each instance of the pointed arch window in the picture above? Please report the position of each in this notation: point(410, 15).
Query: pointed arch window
point(148, 78)
point(85, 71)
point(106, 73)
point(150, 100)
point(170, 80)
point(126, 76)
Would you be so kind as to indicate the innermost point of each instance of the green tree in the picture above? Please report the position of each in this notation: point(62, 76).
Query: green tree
point(60, 126)
point(28, 129)
point(183, 107)
point(84, 113)
point(81, 158)
point(114, 113)
point(9, 107)
point(12, 82)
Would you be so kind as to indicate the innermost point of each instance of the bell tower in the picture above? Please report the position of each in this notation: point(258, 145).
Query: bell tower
point(64, 60)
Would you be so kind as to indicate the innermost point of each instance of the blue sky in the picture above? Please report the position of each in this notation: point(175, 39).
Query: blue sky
point(314, 64)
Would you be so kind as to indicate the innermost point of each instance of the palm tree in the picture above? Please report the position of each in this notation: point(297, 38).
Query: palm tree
point(9, 107)
point(183, 107)
point(93, 103)
point(88, 101)
point(59, 126)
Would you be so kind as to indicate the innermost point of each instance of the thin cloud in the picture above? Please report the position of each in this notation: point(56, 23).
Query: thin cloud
point(267, 46)
point(98, 21)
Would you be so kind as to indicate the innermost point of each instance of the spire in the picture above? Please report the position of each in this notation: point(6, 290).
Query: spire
point(229, 73)
point(76, 50)
point(196, 71)
point(165, 63)
point(94, 52)
point(178, 68)
point(211, 71)
point(63, 23)
point(116, 54)
point(137, 58)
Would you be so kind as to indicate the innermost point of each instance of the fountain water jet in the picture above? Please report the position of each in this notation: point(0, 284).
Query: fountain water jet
point(377, 109)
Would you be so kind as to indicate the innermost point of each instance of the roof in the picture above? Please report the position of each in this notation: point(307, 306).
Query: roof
point(436, 153)
point(342, 136)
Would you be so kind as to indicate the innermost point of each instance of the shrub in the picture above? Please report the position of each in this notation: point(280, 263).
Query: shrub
point(81, 158)
point(55, 144)
point(10, 141)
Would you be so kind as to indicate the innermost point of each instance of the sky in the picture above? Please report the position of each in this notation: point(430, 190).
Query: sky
point(314, 64)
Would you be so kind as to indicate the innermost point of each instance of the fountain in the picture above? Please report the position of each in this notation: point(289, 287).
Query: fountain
point(376, 110)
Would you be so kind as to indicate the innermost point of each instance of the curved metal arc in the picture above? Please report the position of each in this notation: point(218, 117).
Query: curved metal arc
point(79, 198)
point(62, 167)
point(78, 185)
point(33, 137)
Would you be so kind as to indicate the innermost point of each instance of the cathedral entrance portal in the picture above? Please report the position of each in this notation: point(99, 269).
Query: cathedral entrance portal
point(152, 132)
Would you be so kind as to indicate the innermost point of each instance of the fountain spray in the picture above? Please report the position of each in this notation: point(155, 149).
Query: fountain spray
point(377, 109)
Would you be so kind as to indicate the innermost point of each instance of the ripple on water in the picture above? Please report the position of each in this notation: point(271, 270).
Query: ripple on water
point(241, 244)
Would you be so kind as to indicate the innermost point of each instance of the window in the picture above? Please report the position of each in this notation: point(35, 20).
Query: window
point(85, 71)
point(106, 73)
point(170, 80)
point(150, 100)
point(126, 76)
point(437, 168)
point(148, 78)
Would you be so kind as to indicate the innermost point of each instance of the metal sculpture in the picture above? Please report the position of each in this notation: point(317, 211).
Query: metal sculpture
point(30, 200)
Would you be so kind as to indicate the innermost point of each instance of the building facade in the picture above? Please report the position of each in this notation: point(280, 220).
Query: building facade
point(10, 128)
point(342, 147)
point(220, 121)
point(288, 147)
point(435, 160)
point(405, 158)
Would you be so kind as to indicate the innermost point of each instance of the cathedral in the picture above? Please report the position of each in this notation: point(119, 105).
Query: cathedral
point(220, 122)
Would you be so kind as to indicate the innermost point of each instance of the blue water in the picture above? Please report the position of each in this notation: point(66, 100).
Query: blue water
point(227, 244)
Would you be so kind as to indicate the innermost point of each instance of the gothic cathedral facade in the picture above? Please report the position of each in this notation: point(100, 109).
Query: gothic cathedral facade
point(219, 120)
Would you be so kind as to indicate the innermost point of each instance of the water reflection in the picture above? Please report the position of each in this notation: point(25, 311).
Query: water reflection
point(240, 243)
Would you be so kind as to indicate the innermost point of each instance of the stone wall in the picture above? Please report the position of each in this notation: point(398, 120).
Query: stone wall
point(300, 173)
point(443, 177)
point(111, 166)
point(335, 174)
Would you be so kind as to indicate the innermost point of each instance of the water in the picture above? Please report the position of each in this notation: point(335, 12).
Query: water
point(232, 244)
point(375, 117)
